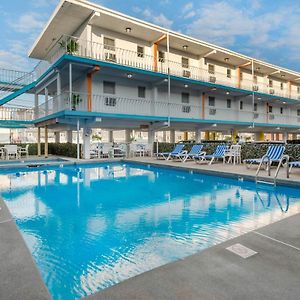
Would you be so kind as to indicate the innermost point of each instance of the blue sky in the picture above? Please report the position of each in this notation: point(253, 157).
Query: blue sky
point(265, 29)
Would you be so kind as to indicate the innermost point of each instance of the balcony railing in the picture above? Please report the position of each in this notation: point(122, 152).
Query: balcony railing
point(16, 114)
point(98, 51)
point(114, 104)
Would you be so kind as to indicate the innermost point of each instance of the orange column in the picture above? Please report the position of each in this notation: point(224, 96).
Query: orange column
point(238, 77)
point(155, 47)
point(203, 105)
point(185, 135)
point(89, 80)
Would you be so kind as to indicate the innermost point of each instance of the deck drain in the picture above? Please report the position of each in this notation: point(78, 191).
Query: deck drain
point(241, 250)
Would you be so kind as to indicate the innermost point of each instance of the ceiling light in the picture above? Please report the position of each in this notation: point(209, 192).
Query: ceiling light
point(213, 89)
point(214, 125)
point(282, 75)
point(128, 29)
point(166, 80)
point(226, 59)
point(227, 93)
point(258, 98)
point(278, 128)
point(258, 68)
point(186, 85)
point(185, 47)
point(284, 102)
point(129, 75)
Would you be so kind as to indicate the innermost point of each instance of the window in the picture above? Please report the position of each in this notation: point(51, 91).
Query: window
point(109, 87)
point(185, 98)
point(228, 73)
point(281, 110)
point(141, 92)
point(140, 51)
point(211, 69)
point(211, 101)
point(241, 105)
point(228, 103)
point(255, 79)
point(161, 56)
point(270, 83)
point(109, 44)
point(298, 89)
point(185, 62)
point(281, 85)
point(270, 108)
point(241, 76)
point(255, 107)
point(298, 112)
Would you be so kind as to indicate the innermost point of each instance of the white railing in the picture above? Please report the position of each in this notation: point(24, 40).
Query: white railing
point(16, 114)
point(85, 48)
point(114, 104)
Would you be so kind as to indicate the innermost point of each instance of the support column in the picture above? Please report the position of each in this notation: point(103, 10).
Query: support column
point(198, 135)
point(36, 104)
point(110, 136)
point(172, 136)
point(57, 103)
point(89, 83)
point(164, 136)
point(69, 134)
point(285, 137)
point(46, 141)
point(186, 135)
point(207, 135)
point(151, 138)
point(128, 133)
point(260, 136)
point(39, 142)
point(86, 139)
point(234, 136)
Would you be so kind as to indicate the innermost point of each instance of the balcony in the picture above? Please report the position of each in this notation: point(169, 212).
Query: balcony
point(114, 55)
point(118, 106)
point(16, 114)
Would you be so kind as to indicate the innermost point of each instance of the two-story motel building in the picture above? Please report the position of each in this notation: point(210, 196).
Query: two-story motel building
point(103, 69)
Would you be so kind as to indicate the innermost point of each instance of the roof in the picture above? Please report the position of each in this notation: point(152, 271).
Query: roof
point(71, 14)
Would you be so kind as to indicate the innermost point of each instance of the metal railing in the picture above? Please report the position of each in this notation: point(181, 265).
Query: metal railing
point(16, 114)
point(115, 104)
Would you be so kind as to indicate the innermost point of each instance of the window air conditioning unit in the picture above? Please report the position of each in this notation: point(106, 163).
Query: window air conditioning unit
point(212, 79)
point(110, 56)
point(271, 117)
point(255, 88)
point(212, 111)
point(186, 73)
point(256, 115)
point(110, 101)
point(186, 109)
point(272, 91)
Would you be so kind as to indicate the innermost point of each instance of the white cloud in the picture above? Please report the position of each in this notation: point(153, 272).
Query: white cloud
point(44, 3)
point(160, 19)
point(187, 7)
point(28, 23)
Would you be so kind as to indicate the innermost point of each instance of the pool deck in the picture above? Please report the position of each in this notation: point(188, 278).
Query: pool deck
point(214, 273)
point(217, 274)
point(227, 170)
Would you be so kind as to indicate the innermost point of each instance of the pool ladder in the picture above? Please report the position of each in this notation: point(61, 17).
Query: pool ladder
point(266, 159)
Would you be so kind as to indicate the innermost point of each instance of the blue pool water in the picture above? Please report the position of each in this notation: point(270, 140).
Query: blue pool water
point(91, 227)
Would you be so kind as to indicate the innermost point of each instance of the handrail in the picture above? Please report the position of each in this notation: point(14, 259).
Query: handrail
point(285, 158)
point(264, 159)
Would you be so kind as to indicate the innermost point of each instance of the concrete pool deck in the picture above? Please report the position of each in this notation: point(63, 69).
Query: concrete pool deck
point(214, 273)
point(217, 274)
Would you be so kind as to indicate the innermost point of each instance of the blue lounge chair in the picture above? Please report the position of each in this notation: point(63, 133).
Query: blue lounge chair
point(294, 164)
point(167, 155)
point(220, 152)
point(274, 154)
point(184, 155)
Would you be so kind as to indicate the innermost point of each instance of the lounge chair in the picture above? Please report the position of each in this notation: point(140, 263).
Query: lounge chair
point(220, 152)
point(184, 155)
point(167, 155)
point(293, 164)
point(274, 154)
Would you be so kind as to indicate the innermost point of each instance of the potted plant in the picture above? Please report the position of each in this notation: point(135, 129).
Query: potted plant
point(76, 100)
point(71, 46)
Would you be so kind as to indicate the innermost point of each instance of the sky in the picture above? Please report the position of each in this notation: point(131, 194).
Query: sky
point(264, 29)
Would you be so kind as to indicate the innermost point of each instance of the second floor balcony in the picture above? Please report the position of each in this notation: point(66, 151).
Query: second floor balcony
point(118, 106)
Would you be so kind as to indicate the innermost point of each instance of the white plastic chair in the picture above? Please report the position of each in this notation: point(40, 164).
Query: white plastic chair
point(234, 154)
point(11, 151)
point(23, 150)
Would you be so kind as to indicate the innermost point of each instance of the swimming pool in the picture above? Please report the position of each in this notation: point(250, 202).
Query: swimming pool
point(93, 226)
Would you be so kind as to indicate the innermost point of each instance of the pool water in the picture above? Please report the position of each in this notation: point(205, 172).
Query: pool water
point(93, 226)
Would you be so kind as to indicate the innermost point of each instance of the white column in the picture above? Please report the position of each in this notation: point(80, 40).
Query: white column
point(285, 136)
point(36, 104)
point(164, 136)
point(69, 136)
point(86, 138)
point(57, 136)
point(46, 102)
point(128, 133)
point(57, 103)
point(110, 136)
point(172, 136)
point(154, 100)
point(198, 135)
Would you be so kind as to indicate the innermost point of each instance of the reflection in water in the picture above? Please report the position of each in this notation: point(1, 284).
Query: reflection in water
point(91, 227)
